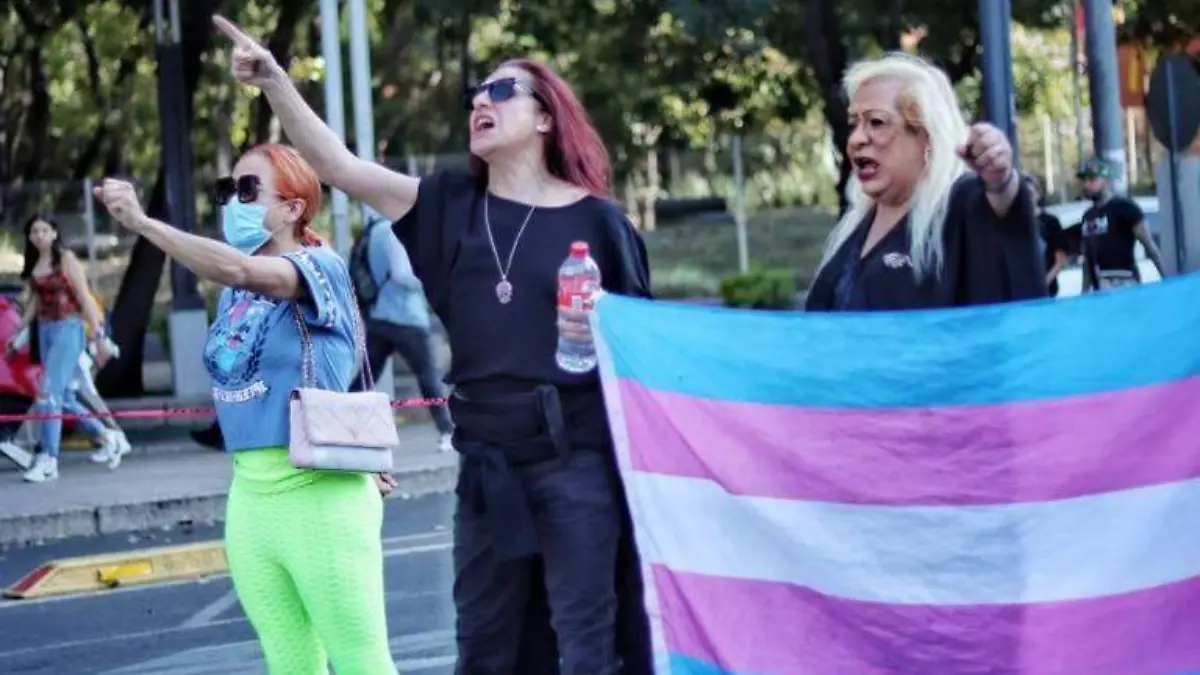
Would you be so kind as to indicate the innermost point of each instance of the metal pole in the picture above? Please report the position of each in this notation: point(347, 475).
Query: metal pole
point(1077, 87)
point(1131, 148)
point(1010, 88)
point(1062, 162)
point(1105, 87)
point(364, 131)
point(1047, 155)
point(994, 20)
point(335, 113)
point(360, 78)
point(89, 223)
point(1173, 165)
point(739, 188)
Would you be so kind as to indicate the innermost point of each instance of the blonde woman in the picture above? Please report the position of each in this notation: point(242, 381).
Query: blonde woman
point(938, 217)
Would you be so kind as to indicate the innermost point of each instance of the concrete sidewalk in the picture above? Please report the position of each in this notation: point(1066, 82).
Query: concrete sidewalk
point(157, 488)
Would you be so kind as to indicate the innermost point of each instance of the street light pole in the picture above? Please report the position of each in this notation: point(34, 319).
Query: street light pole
point(995, 20)
point(1104, 85)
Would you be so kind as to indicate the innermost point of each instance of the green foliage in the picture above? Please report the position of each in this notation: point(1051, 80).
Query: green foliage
point(684, 283)
point(760, 289)
point(78, 94)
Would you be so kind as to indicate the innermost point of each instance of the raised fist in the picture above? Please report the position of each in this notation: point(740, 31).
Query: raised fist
point(989, 154)
point(252, 63)
point(121, 200)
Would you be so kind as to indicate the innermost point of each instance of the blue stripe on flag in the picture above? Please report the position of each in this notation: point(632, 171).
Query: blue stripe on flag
point(1035, 350)
point(686, 665)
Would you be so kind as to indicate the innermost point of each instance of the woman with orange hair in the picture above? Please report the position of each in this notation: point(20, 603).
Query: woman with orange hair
point(303, 546)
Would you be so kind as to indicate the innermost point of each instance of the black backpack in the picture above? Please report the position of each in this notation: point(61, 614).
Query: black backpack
point(366, 289)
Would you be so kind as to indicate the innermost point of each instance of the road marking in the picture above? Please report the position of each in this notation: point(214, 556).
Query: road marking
point(426, 640)
point(207, 616)
point(214, 609)
point(436, 534)
point(438, 540)
point(392, 553)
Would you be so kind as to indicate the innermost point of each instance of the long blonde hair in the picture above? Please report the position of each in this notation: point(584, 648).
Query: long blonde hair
point(926, 101)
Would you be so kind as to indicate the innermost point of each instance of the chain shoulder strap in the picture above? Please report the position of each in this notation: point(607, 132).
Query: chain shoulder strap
point(308, 364)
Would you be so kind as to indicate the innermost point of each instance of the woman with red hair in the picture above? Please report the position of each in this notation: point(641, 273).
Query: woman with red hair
point(538, 475)
point(288, 531)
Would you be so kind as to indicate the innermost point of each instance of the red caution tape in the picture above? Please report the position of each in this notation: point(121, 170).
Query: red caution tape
point(168, 412)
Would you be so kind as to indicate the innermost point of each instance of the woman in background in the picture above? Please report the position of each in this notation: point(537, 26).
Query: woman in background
point(61, 302)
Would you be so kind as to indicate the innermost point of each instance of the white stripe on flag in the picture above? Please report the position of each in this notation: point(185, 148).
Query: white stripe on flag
point(938, 555)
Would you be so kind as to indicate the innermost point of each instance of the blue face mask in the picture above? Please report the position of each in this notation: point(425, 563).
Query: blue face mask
point(245, 226)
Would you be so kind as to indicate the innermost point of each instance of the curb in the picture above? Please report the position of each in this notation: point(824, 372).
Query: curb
point(19, 531)
point(130, 568)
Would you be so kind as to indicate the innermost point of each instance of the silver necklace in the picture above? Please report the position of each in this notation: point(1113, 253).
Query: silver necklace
point(504, 289)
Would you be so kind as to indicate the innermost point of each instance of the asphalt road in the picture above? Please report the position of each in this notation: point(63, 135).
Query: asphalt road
point(197, 628)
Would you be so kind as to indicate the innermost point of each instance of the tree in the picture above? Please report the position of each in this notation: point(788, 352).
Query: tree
point(1159, 23)
point(135, 300)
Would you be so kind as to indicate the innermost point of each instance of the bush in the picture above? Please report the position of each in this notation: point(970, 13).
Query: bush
point(683, 283)
point(760, 289)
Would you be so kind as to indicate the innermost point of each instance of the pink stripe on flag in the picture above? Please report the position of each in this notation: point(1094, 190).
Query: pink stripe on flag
point(1047, 450)
point(766, 628)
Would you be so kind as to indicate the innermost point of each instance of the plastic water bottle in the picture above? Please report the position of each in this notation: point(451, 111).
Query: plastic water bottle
point(578, 280)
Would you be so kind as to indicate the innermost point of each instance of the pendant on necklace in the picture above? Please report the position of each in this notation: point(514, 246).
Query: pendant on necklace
point(504, 292)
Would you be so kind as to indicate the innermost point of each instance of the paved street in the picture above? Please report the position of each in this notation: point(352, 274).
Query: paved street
point(197, 628)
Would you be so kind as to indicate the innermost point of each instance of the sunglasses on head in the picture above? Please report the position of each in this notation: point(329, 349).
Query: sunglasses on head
point(247, 189)
point(499, 91)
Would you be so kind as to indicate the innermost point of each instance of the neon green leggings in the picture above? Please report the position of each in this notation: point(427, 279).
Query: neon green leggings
point(306, 559)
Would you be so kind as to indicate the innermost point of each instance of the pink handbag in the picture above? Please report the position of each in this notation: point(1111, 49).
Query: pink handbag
point(337, 430)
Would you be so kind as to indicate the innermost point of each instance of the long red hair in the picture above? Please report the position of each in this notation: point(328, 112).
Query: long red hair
point(574, 150)
point(295, 179)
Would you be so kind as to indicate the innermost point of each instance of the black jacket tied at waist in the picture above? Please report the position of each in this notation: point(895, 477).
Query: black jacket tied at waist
point(494, 435)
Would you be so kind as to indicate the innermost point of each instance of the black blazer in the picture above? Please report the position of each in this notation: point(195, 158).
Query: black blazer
point(986, 260)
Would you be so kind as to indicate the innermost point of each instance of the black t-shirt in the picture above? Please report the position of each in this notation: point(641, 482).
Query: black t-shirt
point(1108, 234)
point(1054, 240)
point(505, 348)
point(986, 260)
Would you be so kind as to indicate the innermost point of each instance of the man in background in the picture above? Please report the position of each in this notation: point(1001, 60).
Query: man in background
point(393, 302)
point(1110, 231)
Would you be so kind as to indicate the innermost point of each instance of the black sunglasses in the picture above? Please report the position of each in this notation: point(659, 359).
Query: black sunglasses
point(245, 187)
point(499, 91)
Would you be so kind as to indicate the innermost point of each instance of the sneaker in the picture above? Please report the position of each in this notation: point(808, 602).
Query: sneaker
point(446, 443)
point(45, 468)
point(123, 446)
point(110, 452)
point(20, 456)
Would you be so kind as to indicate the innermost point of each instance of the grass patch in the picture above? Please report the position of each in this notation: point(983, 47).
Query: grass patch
point(691, 258)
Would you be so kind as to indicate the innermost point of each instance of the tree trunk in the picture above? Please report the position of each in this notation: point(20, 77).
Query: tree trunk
point(38, 117)
point(895, 29)
point(135, 300)
point(280, 46)
point(828, 56)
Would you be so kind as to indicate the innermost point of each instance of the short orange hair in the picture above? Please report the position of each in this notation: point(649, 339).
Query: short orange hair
point(295, 179)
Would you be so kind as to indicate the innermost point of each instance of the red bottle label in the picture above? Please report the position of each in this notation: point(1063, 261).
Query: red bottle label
point(575, 293)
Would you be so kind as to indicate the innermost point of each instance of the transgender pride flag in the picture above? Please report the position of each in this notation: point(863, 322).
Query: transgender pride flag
point(992, 491)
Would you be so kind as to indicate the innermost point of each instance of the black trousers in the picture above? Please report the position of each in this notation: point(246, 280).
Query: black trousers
point(385, 339)
point(577, 525)
point(538, 650)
